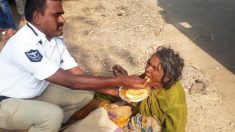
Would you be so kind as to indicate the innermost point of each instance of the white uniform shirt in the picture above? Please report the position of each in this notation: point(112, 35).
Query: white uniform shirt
point(27, 59)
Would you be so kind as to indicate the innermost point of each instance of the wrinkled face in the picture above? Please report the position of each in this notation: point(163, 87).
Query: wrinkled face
point(52, 21)
point(154, 71)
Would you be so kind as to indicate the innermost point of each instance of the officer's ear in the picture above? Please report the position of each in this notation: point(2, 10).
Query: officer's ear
point(37, 17)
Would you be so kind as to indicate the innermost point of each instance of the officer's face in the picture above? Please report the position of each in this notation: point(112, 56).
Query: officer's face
point(52, 21)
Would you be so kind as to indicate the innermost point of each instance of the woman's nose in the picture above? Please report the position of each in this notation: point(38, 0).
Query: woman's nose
point(149, 68)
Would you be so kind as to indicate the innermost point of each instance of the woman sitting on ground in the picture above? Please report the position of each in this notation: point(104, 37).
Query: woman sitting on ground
point(166, 102)
point(165, 105)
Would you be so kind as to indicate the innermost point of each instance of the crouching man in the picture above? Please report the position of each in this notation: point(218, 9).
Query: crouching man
point(36, 56)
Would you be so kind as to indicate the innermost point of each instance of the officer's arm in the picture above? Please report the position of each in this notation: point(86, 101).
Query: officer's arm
point(76, 71)
point(88, 82)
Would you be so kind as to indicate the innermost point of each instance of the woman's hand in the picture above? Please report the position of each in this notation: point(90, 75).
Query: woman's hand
point(119, 71)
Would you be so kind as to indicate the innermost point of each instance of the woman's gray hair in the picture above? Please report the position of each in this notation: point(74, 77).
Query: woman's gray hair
point(172, 65)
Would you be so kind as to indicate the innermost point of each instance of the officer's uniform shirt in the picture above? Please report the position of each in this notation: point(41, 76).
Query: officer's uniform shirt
point(27, 59)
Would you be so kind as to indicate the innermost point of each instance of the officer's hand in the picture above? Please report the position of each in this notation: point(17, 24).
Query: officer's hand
point(133, 82)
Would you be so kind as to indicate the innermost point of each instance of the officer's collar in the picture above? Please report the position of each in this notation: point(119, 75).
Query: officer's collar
point(38, 33)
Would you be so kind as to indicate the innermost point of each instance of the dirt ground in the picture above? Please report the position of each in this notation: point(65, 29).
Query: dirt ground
point(101, 33)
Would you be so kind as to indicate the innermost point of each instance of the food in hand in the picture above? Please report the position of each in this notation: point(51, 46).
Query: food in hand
point(134, 94)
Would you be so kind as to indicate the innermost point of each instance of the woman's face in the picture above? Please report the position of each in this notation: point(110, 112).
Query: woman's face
point(154, 71)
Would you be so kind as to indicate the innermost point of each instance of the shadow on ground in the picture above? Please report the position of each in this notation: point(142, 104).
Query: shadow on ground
point(209, 24)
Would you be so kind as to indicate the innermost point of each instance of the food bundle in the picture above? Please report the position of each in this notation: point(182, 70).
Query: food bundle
point(134, 95)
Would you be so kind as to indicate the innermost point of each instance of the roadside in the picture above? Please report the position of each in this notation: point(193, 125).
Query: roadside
point(101, 33)
point(203, 31)
point(207, 105)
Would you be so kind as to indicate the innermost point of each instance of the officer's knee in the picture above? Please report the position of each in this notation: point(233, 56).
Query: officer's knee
point(90, 96)
point(53, 114)
point(57, 114)
point(50, 119)
point(83, 97)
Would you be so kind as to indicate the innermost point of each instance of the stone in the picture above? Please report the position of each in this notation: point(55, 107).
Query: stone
point(198, 87)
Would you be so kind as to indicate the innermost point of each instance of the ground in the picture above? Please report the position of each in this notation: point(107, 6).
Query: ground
point(101, 33)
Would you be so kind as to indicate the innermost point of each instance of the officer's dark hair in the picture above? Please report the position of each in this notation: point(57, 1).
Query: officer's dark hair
point(172, 65)
point(34, 5)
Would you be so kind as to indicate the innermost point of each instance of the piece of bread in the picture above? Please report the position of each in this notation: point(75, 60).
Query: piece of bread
point(134, 95)
point(137, 94)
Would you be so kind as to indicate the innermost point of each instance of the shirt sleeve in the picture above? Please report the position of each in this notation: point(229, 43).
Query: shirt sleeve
point(68, 61)
point(32, 60)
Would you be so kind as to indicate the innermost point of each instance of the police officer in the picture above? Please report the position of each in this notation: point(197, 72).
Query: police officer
point(36, 56)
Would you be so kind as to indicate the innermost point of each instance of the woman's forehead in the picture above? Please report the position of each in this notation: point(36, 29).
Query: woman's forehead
point(154, 59)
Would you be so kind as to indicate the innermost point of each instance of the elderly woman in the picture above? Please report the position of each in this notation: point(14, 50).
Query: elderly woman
point(164, 109)
point(166, 102)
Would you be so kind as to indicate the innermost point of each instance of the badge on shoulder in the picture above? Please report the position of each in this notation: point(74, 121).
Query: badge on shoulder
point(34, 55)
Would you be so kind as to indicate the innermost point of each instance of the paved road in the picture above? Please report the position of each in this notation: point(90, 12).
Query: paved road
point(212, 26)
point(205, 30)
